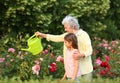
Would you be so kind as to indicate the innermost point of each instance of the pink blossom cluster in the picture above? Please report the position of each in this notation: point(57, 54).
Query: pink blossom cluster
point(36, 68)
point(110, 46)
point(60, 59)
point(102, 66)
point(12, 50)
point(2, 60)
point(44, 52)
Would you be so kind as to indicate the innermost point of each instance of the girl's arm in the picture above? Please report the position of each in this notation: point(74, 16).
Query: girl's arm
point(76, 67)
point(64, 77)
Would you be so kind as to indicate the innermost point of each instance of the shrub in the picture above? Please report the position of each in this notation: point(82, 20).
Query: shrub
point(14, 62)
point(26, 66)
point(106, 57)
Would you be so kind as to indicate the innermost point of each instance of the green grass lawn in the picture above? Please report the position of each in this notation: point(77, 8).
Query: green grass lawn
point(50, 80)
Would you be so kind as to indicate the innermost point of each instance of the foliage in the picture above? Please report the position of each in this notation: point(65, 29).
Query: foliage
point(29, 16)
point(112, 20)
point(24, 16)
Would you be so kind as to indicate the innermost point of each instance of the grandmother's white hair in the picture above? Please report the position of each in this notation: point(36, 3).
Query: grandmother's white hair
point(71, 22)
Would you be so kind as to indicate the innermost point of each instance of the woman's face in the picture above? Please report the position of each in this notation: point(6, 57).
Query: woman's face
point(68, 28)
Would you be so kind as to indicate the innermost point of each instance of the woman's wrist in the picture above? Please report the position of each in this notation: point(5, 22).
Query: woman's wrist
point(41, 35)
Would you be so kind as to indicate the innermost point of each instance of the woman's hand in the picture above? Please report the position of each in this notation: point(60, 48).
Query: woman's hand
point(39, 34)
point(78, 55)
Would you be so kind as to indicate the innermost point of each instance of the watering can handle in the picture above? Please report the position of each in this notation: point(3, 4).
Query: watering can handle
point(31, 37)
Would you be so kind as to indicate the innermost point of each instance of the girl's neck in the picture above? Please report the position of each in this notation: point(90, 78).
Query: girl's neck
point(71, 48)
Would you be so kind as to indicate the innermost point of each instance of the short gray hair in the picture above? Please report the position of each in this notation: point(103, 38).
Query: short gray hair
point(71, 21)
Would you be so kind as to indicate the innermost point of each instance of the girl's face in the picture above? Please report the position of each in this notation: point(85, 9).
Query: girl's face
point(68, 44)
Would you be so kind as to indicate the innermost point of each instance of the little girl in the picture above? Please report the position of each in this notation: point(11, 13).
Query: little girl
point(71, 65)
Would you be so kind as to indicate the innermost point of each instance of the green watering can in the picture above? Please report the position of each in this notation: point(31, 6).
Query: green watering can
point(34, 44)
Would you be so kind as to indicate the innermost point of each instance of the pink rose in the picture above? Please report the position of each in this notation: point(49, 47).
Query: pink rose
point(98, 61)
point(60, 59)
point(107, 58)
point(1, 60)
point(36, 69)
point(11, 50)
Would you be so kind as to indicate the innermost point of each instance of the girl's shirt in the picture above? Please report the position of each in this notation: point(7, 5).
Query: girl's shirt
point(69, 63)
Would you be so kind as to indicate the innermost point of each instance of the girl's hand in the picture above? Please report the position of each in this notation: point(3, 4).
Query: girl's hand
point(64, 77)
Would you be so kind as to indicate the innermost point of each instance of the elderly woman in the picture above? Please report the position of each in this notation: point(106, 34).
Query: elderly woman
point(71, 25)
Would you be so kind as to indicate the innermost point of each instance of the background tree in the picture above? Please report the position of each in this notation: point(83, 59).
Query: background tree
point(98, 17)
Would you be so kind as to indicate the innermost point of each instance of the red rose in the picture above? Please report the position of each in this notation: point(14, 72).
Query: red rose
point(104, 64)
point(102, 72)
point(52, 67)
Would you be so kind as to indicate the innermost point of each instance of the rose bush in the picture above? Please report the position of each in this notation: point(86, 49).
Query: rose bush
point(106, 55)
point(26, 66)
point(13, 62)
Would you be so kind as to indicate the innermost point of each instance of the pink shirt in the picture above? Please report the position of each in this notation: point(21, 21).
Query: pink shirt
point(69, 63)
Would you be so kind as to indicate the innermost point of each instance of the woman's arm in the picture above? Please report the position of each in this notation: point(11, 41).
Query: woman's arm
point(39, 34)
point(84, 44)
point(49, 37)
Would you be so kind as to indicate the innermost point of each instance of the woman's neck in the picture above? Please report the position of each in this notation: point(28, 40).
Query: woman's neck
point(75, 31)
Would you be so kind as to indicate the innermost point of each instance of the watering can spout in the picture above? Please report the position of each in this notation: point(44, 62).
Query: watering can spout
point(34, 44)
point(24, 49)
